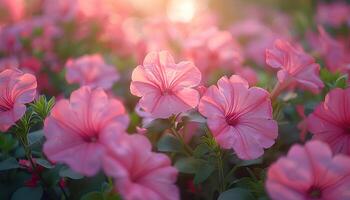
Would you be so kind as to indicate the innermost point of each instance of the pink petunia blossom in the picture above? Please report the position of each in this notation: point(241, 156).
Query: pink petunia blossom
point(330, 122)
point(296, 68)
point(211, 49)
point(77, 129)
point(334, 14)
point(138, 172)
point(335, 53)
point(91, 70)
point(165, 88)
point(16, 89)
point(309, 172)
point(239, 117)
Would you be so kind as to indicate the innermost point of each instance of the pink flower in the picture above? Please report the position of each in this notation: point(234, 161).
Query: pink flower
point(309, 172)
point(334, 52)
point(248, 74)
point(334, 14)
point(212, 49)
point(302, 125)
point(239, 117)
point(165, 88)
point(138, 172)
point(77, 129)
point(16, 89)
point(91, 70)
point(296, 68)
point(330, 122)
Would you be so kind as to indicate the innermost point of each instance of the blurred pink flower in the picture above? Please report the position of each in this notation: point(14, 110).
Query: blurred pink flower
point(16, 89)
point(330, 122)
point(12, 10)
point(77, 129)
point(309, 172)
point(248, 74)
point(211, 49)
point(334, 14)
point(296, 68)
point(335, 53)
point(138, 172)
point(165, 88)
point(239, 117)
point(91, 70)
point(302, 125)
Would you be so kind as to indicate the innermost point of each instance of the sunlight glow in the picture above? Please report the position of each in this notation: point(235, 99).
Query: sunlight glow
point(182, 10)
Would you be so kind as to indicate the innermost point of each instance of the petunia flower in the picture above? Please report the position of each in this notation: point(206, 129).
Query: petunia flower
point(76, 129)
point(239, 117)
point(309, 172)
point(330, 122)
point(138, 172)
point(16, 89)
point(91, 70)
point(212, 49)
point(296, 68)
point(165, 88)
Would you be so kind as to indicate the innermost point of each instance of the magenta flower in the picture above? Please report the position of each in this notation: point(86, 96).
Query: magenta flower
point(91, 70)
point(309, 172)
point(330, 122)
point(296, 68)
point(165, 88)
point(239, 117)
point(16, 89)
point(77, 129)
point(138, 172)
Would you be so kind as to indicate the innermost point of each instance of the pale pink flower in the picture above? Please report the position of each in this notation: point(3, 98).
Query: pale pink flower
point(138, 172)
point(330, 122)
point(91, 70)
point(165, 88)
point(77, 129)
point(248, 74)
point(211, 49)
point(296, 68)
point(16, 89)
point(309, 172)
point(239, 117)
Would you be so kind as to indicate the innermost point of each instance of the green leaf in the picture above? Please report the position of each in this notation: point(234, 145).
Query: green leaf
point(169, 143)
point(93, 196)
point(188, 165)
point(67, 172)
point(10, 163)
point(342, 81)
point(236, 193)
point(44, 163)
point(203, 172)
point(201, 150)
point(35, 137)
point(28, 193)
point(7, 142)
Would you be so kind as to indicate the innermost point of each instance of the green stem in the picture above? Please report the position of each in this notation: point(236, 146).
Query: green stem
point(222, 184)
point(188, 149)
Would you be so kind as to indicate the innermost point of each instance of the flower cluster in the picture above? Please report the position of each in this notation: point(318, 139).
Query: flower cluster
point(168, 100)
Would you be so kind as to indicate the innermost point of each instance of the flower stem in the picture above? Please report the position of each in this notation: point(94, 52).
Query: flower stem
point(188, 149)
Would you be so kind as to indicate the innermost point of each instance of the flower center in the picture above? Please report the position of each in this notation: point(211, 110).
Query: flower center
point(91, 139)
point(5, 104)
point(167, 92)
point(315, 193)
point(232, 119)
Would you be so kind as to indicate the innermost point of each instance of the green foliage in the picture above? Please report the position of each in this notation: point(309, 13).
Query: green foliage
point(169, 143)
point(42, 107)
point(28, 193)
point(236, 193)
point(10, 163)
